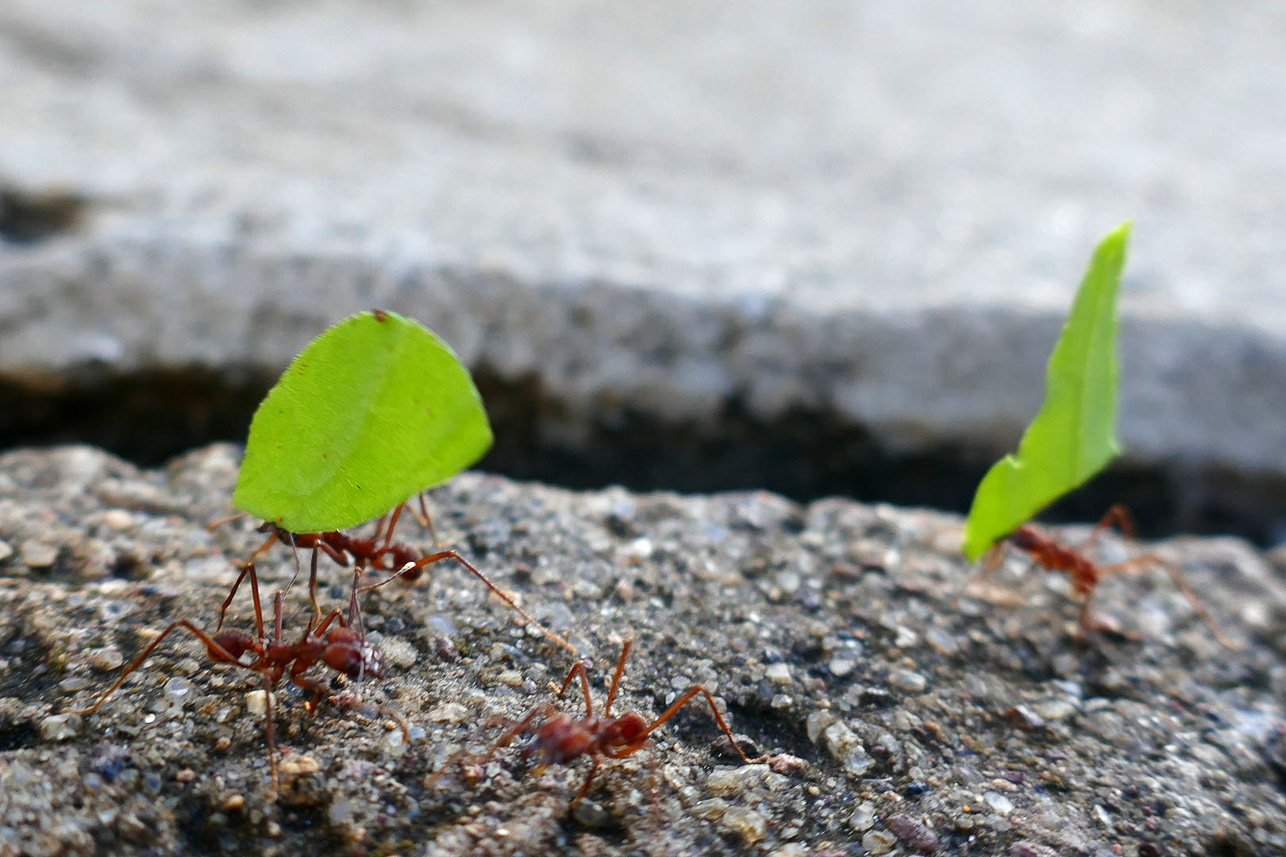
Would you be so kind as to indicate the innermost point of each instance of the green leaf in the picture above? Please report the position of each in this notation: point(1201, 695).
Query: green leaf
point(1074, 435)
point(372, 412)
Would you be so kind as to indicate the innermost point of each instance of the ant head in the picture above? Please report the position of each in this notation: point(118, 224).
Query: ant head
point(354, 658)
point(630, 726)
point(1024, 538)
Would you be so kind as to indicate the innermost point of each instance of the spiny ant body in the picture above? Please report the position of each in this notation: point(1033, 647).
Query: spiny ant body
point(334, 643)
point(558, 738)
point(1084, 574)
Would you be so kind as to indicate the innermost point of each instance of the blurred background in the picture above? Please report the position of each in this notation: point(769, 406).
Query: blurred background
point(817, 247)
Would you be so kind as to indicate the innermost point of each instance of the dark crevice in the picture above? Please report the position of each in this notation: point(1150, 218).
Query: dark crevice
point(27, 217)
point(150, 417)
point(17, 736)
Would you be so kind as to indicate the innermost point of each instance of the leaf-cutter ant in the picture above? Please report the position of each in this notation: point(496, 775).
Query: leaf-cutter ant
point(1084, 574)
point(558, 738)
point(334, 643)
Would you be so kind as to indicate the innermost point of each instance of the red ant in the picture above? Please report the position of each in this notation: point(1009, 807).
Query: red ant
point(341, 648)
point(561, 739)
point(1084, 575)
point(377, 554)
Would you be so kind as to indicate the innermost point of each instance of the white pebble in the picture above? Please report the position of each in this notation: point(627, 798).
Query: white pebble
point(778, 673)
point(998, 802)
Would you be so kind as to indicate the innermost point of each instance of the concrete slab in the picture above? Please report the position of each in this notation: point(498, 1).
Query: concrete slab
point(872, 212)
point(892, 714)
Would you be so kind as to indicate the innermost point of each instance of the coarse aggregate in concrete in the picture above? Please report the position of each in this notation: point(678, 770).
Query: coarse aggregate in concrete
point(896, 719)
point(871, 211)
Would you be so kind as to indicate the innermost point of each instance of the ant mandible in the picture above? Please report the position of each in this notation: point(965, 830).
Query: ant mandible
point(1084, 574)
point(560, 739)
point(377, 554)
point(342, 648)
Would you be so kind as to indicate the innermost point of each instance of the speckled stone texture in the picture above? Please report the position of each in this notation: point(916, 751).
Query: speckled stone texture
point(898, 719)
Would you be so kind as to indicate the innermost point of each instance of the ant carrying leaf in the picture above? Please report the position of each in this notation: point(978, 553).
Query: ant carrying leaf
point(1073, 436)
point(375, 410)
point(1071, 439)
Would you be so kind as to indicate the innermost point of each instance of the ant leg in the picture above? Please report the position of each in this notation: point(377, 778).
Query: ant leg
point(1147, 560)
point(497, 591)
point(544, 709)
point(232, 593)
point(1087, 622)
point(270, 739)
point(388, 534)
point(672, 710)
point(214, 525)
point(425, 519)
point(379, 525)
point(616, 680)
point(215, 649)
point(354, 610)
point(589, 778)
point(248, 569)
point(579, 668)
point(991, 562)
point(1117, 516)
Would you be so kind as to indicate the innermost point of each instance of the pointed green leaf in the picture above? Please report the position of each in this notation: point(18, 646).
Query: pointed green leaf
point(1074, 434)
point(372, 412)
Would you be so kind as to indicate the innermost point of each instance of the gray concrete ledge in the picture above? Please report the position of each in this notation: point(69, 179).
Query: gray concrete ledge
point(873, 211)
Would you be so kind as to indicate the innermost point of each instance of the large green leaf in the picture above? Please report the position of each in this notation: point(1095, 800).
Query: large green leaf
point(1074, 434)
point(372, 412)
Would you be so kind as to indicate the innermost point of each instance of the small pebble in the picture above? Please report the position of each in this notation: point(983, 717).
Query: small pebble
point(592, 815)
point(787, 765)
point(37, 554)
point(912, 833)
point(6, 550)
point(450, 712)
point(1024, 718)
point(710, 810)
point(748, 824)
point(941, 641)
point(393, 742)
point(185, 775)
point(59, 727)
point(118, 519)
point(840, 667)
point(879, 842)
point(846, 749)
point(233, 803)
point(1055, 709)
point(863, 817)
point(107, 659)
point(725, 782)
point(293, 766)
point(778, 673)
point(257, 702)
point(178, 691)
point(1027, 848)
point(998, 802)
point(911, 682)
point(816, 722)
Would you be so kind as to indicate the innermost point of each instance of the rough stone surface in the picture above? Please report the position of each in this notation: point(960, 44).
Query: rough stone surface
point(1170, 744)
point(871, 210)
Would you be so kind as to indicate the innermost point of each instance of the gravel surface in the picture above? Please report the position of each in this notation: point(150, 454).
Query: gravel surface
point(895, 720)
